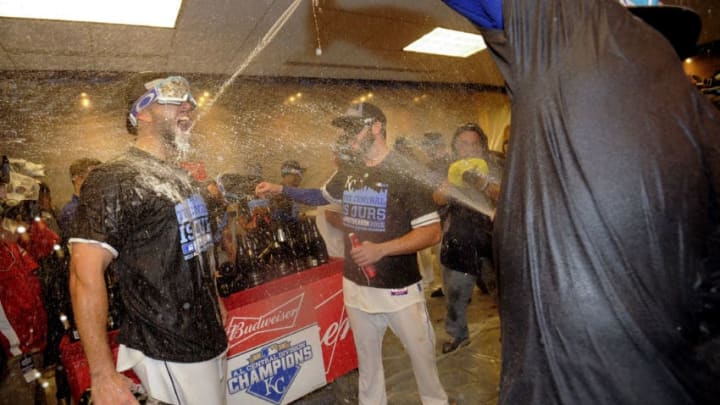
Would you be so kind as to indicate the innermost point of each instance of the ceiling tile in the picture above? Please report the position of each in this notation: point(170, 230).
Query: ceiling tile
point(360, 39)
point(118, 40)
point(44, 36)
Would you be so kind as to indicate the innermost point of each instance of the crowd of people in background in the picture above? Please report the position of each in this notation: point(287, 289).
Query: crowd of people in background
point(34, 284)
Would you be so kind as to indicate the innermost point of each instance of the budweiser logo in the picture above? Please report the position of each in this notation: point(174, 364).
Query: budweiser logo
point(279, 318)
point(338, 329)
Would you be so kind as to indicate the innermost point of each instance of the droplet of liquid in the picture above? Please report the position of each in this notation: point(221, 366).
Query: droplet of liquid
point(318, 51)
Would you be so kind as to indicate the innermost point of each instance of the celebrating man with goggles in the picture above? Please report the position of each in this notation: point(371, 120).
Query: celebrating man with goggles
point(174, 90)
point(143, 217)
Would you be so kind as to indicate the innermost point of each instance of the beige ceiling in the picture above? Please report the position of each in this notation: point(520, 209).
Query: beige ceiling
point(360, 39)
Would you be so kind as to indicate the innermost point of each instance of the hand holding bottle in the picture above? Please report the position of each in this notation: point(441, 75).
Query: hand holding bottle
point(369, 269)
point(476, 179)
point(471, 172)
point(111, 387)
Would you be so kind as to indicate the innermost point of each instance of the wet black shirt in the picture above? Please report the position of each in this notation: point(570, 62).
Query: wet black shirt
point(466, 240)
point(381, 203)
point(150, 214)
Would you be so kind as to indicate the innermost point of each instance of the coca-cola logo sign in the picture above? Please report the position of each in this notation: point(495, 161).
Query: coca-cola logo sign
point(282, 317)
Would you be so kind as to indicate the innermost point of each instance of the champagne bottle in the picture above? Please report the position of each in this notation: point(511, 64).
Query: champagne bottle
point(369, 270)
point(225, 278)
point(74, 335)
point(286, 250)
point(266, 258)
point(311, 259)
point(242, 265)
point(278, 262)
point(254, 274)
point(319, 247)
point(69, 327)
point(290, 232)
point(299, 245)
point(86, 397)
point(137, 390)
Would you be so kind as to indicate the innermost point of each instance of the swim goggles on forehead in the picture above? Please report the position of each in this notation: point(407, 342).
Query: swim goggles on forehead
point(171, 90)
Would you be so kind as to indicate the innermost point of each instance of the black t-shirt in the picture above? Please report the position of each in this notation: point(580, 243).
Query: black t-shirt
point(381, 203)
point(151, 215)
point(466, 240)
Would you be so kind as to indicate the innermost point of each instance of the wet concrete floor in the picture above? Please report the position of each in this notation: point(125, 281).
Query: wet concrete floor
point(470, 374)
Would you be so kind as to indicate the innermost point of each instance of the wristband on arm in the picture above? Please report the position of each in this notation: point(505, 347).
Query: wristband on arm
point(486, 14)
point(307, 196)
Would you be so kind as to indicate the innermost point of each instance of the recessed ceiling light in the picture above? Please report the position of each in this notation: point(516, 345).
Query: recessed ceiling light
point(442, 41)
point(153, 13)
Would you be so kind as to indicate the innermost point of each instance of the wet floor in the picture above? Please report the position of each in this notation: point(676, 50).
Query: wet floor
point(470, 374)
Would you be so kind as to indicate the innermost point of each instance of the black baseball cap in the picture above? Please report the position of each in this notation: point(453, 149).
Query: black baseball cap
point(291, 167)
point(360, 114)
point(432, 139)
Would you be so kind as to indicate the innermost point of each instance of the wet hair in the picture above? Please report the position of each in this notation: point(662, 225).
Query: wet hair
point(471, 127)
point(432, 139)
point(44, 188)
point(384, 129)
point(81, 166)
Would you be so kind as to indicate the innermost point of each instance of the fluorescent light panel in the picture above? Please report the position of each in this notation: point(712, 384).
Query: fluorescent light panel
point(442, 41)
point(152, 13)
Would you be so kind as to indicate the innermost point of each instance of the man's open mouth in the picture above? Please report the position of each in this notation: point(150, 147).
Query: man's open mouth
point(184, 124)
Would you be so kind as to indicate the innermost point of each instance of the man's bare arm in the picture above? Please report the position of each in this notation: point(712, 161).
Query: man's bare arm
point(90, 307)
point(440, 195)
point(413, 241)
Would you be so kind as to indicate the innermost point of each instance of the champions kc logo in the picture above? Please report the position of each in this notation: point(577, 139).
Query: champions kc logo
point(283, 345)
point(272, 355)
point(271, 371)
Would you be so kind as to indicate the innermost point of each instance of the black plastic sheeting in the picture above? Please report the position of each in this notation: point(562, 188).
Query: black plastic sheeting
point(607, 230)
